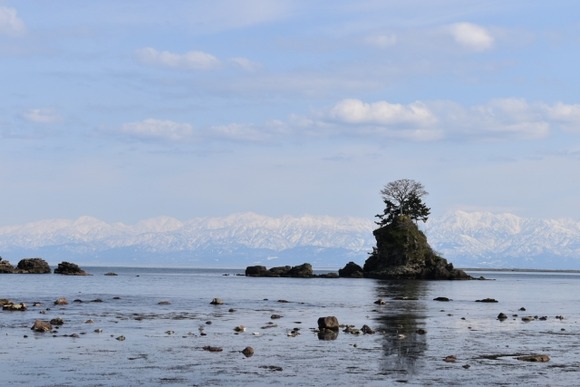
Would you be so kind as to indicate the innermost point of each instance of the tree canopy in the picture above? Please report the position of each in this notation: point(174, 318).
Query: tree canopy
point(403, 198)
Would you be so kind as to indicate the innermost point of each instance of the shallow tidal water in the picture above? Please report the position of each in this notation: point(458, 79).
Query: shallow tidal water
point(166, 319)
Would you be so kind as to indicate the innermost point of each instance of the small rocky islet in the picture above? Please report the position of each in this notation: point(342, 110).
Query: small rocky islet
point(39, 266)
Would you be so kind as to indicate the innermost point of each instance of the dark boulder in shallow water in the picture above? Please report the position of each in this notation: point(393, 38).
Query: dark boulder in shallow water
point(541, 358)
point(328, 322)
point(41, 326)
point(248, 352)
point(351, 270)
point(489, 300)
point(67, 268)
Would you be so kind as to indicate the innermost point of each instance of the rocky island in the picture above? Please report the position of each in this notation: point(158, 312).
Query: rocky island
point(402, 250)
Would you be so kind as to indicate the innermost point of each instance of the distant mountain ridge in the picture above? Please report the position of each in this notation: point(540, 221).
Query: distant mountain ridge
point(468, 239)
point(483, 239)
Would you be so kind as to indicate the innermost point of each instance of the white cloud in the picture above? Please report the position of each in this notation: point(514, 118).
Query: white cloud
point(498, 119)
point(158, 129)
point(354, 111)
point(41, 116)
point(10, 23)
point(381, 41)
point(567, 115)
point(240, 132)
point(192, 60)
point(471, 36)
point(245, 64)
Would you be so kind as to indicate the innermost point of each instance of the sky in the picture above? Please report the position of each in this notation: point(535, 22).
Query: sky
point(126, 110)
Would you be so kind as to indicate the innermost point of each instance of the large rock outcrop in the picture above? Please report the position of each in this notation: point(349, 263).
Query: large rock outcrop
point(33, 266)
point(402, 252)
point(67, 268)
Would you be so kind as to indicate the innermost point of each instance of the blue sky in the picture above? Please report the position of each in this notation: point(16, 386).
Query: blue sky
point(125, 110)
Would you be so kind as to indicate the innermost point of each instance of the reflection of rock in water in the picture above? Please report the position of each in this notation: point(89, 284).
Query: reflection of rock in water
point(399, 321)
point(327, 334)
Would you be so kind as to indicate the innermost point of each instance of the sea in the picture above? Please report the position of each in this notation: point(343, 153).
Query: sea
point(152, 326)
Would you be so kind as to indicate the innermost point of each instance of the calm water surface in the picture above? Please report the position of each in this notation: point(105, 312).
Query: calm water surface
point(162, 314)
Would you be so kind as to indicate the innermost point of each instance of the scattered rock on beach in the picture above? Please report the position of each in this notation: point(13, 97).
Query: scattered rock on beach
point(272, 368)
point(534, 358)
point(442, 299)
point(41, 326)
point(491, 300)
point(328, 322)
point(57, 321)
point(61, 301)
point(248, 351)
point(502, 316)
point(210, 348)
point(217, 301)
point(12, 306)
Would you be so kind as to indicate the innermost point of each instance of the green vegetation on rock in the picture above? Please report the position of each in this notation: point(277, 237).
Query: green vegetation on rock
point(402, 250)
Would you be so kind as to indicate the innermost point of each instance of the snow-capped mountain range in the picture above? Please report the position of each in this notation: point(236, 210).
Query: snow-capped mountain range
point(467, 239)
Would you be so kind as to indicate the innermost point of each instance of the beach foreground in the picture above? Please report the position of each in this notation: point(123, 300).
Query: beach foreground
point(159, 326)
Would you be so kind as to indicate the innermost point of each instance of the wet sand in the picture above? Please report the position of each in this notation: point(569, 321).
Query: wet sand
point(166, 321)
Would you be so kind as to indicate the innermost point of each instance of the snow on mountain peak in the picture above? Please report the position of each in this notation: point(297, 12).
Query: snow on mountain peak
point(465, 238)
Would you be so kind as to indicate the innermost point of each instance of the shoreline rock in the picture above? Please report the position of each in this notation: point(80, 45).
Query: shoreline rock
point(67, 268)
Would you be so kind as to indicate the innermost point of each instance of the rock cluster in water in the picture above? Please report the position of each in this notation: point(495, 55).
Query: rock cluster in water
point(25, 266)
point(300, 271)
point(39, 266)
point(402, 252)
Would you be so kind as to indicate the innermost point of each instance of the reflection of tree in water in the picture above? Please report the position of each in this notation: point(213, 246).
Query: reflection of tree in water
point(399, 320)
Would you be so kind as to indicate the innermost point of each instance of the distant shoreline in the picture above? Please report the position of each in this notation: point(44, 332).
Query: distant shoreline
point(327, 269)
